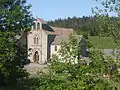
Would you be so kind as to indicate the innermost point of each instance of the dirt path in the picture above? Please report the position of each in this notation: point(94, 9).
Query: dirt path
point(36, 69)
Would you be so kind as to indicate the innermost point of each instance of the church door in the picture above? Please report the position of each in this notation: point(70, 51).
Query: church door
point(36, 57)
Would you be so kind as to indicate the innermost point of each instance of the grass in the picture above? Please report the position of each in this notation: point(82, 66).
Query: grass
point(102, 42)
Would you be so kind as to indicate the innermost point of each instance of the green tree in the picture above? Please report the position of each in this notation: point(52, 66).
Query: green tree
point(106, 21)
point(15, 18)
point(109, 24)
point(111, 27)
point(67, 74)
point(15, 15)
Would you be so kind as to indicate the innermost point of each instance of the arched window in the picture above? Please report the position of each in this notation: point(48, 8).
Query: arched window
point(35, 40)
point(34, 25)
point(38, 25)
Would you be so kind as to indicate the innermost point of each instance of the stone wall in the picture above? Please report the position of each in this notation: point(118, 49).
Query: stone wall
point(41, 47)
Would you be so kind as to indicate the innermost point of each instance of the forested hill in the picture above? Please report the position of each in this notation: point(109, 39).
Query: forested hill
point(79, 24)
point(87, 25)
point(69, 22)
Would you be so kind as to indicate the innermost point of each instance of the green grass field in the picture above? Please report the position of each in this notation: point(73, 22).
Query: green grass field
point(103, 43)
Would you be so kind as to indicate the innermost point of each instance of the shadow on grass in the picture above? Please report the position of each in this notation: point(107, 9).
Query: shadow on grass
point(28, 84)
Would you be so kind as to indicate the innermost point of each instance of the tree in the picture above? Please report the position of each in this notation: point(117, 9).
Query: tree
point(109, 24)
point(15, 18)
point(105, 15)
point(83, 25)
point(15, 15)
point(65, 73)
point(105, 20)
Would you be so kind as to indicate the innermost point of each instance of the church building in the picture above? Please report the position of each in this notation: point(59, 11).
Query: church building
point(43, 40)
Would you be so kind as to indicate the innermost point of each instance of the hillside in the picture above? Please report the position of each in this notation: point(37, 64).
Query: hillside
point(79, 24)
point(103, 43)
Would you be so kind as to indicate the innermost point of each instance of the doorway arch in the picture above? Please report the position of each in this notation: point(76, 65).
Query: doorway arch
point(36, 57)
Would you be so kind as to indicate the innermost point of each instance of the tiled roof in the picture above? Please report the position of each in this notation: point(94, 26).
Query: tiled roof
point(41, 20)
point(61, 34)
point(62, 31)
point(59, 39)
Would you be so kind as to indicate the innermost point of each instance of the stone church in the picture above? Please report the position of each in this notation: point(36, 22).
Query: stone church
point(43, 40)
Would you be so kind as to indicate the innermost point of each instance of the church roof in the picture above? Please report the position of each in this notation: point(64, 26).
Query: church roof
point(41, 20)
point(61, 34)
point(59, 39)
point(54, 30)
point(60, 31)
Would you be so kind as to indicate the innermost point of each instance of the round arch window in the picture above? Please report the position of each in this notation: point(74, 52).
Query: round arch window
point(36, 40)
point(38, 25)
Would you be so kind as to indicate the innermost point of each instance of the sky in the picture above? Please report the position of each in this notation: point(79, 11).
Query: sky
point(54, 9)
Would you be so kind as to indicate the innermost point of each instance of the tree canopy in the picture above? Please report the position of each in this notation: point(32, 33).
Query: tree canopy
point(15, 15)
point(15, 18)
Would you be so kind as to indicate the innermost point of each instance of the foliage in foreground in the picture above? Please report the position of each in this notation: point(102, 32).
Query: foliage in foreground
point(15, 18)
point(66, 75)
point(11, 56)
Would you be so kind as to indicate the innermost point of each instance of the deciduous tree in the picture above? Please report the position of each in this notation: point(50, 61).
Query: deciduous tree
point(15, 18)
point(66, 74)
